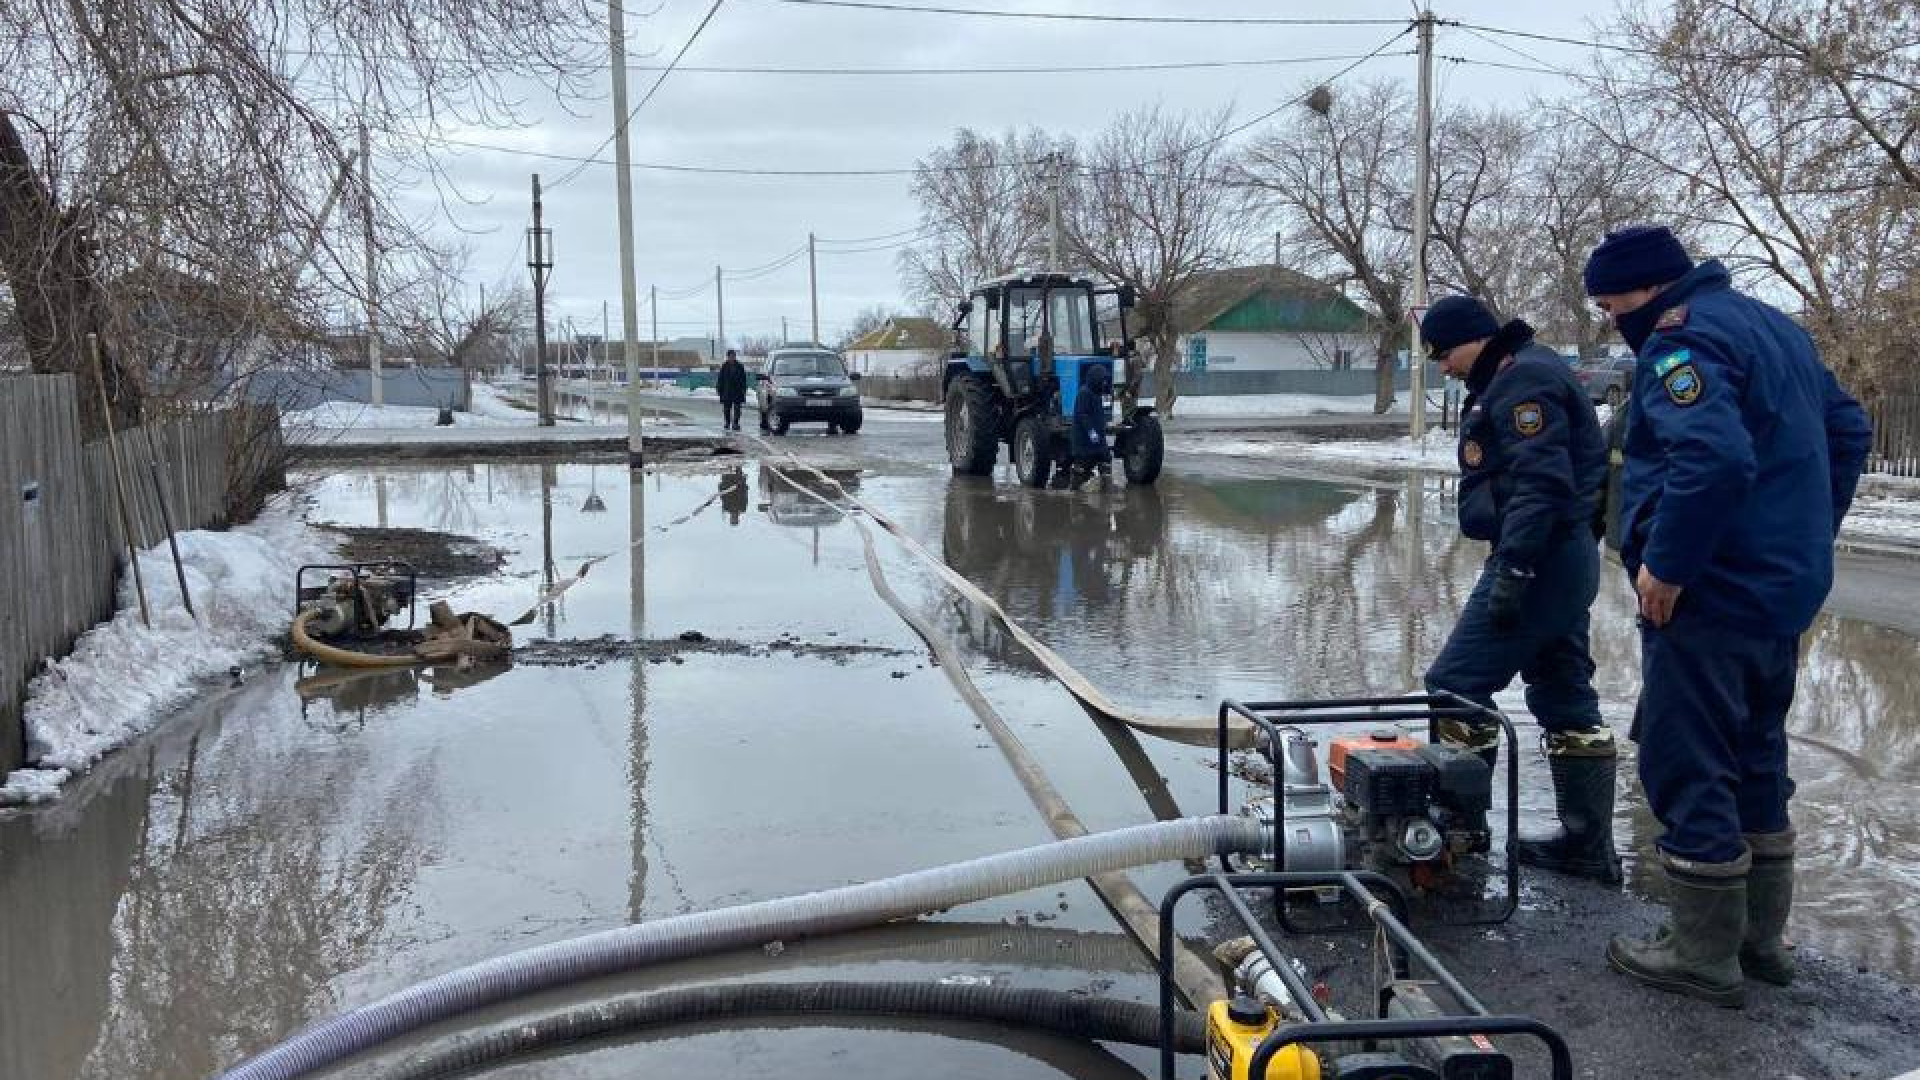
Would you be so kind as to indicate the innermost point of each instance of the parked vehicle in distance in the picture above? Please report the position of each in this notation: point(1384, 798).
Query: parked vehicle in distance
point(807, 385)
point(1608, 380)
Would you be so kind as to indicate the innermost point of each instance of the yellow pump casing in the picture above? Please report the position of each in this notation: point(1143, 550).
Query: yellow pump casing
point(1230, 1047)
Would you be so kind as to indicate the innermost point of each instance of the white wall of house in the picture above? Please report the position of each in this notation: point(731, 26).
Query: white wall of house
point(1278, 352)
point(895, 361)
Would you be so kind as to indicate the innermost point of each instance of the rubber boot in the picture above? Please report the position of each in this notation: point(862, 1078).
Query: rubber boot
point(1698, 952)
point(1764, 954)
point(1583, 765)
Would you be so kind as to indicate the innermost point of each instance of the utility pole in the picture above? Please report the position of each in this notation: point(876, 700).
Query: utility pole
point(813, 288)
point(376, 393)
point(720, 312)
point(1276, 249)
point(1053, 211)
point(1422, 214)
point(783, 329)
point(653, 313)
point(623, 186)
point(540, 263)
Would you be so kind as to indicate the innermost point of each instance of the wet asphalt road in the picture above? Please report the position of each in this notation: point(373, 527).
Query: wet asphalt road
point(298, 844)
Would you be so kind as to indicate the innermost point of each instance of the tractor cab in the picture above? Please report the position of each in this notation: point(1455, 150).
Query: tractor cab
point(1024, 346)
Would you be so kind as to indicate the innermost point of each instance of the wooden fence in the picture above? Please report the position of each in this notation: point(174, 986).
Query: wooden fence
point(61, 546)
point(1896, 435)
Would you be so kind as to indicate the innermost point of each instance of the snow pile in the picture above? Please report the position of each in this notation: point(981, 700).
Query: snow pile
point(349, 415)
point(122, 677)
point(1231, 406)
point(1434, 452)
point(491, 403)
point(1880, 517)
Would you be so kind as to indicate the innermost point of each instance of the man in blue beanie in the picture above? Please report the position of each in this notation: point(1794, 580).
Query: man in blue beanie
point(1742, 454)
point(1532, 463)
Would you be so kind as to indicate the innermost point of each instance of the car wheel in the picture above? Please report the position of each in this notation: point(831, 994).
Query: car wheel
point(851, 425)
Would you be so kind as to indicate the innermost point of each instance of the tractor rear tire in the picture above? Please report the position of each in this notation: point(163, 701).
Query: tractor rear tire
point(973, 443)
point(1032, 451)
point(1146, 451)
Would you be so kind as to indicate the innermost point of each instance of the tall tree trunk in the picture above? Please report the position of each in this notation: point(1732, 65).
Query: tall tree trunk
point(47, 258)
point(1385, 370)
point(1165, 348)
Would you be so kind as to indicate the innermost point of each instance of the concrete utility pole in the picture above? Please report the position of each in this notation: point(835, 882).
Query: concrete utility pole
point(783, 329)
point(720, 313)
point(653, 313)
point(1422, 215)
point(623, 185)
point(540, 264)
point(1053, 211)
point(813, 288)
point(376, 393)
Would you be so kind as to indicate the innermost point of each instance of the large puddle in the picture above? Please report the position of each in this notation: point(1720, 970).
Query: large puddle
point(298, 844)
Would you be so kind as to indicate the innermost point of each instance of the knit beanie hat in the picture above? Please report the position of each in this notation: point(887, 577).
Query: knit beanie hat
point(1635, 258)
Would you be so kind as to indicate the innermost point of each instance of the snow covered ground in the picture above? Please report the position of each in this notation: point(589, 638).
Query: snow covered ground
point(348, 415)
point(1883, 517)
point(122, 678)
point(1261, 405)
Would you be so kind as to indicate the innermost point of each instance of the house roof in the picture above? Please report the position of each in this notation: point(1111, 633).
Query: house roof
point(903, 332)
point(1265, 299)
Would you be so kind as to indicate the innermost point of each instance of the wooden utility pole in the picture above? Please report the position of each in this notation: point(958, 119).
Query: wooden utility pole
point(540, 264)
point(1422, 215)
point(376, 392)
point(720, 313)
point(813, 288)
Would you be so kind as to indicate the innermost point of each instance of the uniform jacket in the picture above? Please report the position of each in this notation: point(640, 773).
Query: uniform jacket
point(732, 382)
point(1089, 437)
point(1742, 454)
point(1532, 461)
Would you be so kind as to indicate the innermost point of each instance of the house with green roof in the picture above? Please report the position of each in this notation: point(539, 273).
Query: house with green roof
point(1270, 318)
point(903, 345)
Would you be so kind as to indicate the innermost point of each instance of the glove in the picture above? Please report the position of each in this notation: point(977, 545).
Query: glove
point(1504, 600)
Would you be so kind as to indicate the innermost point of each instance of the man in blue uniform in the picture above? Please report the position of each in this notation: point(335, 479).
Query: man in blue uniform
point(1532, 463)
point(1088, 440)
point(1742, 454)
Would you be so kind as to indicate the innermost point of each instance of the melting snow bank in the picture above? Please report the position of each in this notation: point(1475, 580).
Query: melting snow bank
point(122, 678)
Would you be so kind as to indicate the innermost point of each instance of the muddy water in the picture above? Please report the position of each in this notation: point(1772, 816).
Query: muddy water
point(299, 844)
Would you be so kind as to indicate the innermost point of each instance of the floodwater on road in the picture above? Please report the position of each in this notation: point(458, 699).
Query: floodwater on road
point(304, 843)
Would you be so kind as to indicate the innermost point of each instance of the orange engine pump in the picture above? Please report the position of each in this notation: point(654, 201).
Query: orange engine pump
point(1341, 746)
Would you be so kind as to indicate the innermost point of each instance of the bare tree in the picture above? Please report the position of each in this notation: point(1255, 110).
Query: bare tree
point(1150, 208)
point(758, 344)
point(1790, 125)
point(982, 214)
point(199, 139)
point(444, 321)
point(1339, 179)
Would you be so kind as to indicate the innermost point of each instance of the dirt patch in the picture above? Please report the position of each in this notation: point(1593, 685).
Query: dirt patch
point(578, 652)
point(437, 556)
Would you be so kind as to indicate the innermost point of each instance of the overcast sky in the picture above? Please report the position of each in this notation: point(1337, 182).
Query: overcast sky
point(687, 224)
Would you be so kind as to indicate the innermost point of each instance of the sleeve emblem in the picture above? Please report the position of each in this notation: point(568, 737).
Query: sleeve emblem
point(1528, 418)
point(1683, 385)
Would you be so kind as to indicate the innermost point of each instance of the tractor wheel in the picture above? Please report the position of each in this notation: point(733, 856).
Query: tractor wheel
point(1146, 449)
point(973, 444)
point(1032, 451)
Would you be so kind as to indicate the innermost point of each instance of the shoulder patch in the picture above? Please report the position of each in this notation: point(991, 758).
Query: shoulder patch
point(1665, 365)
point(1673, 318)
point(1528, 418)
point(1470, 453)
point(1683, 385)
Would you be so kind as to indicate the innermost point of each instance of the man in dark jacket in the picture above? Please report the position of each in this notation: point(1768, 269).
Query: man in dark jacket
point(1532, 463)
point(1088, 441)
point(1742, 454)
point(732, 385)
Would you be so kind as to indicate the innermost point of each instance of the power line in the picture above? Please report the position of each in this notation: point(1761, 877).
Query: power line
point(1075, 16)
point(627, 121)
point(1039, 69)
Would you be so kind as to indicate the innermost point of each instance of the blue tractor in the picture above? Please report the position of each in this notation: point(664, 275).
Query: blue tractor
point(1024, 346)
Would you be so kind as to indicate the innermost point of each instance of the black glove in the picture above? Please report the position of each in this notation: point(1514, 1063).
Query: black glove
point(1504, 600)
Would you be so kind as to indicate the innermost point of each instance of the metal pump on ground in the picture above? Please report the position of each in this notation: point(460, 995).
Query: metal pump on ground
point(341, 620)
point(1024, 347)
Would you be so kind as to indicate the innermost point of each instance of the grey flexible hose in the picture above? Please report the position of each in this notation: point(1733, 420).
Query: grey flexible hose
point(1054, 1011)
point(627, 948)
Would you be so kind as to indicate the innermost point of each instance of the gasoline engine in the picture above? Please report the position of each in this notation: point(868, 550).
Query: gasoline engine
point(354, 600)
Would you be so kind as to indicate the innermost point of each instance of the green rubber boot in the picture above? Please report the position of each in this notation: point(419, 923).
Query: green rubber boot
point(1698, 952)
point(1583, 764)
point(1764, 954)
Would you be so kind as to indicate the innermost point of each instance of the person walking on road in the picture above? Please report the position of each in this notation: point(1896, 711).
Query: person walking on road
point(1742, 453)
point(732, 385)
point(1532, 467)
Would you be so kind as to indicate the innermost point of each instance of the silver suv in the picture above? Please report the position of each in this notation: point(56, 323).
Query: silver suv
point(807, 385)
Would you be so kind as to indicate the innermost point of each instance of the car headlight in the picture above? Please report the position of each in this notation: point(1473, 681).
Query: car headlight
point(850, 391)
point(785, 391)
